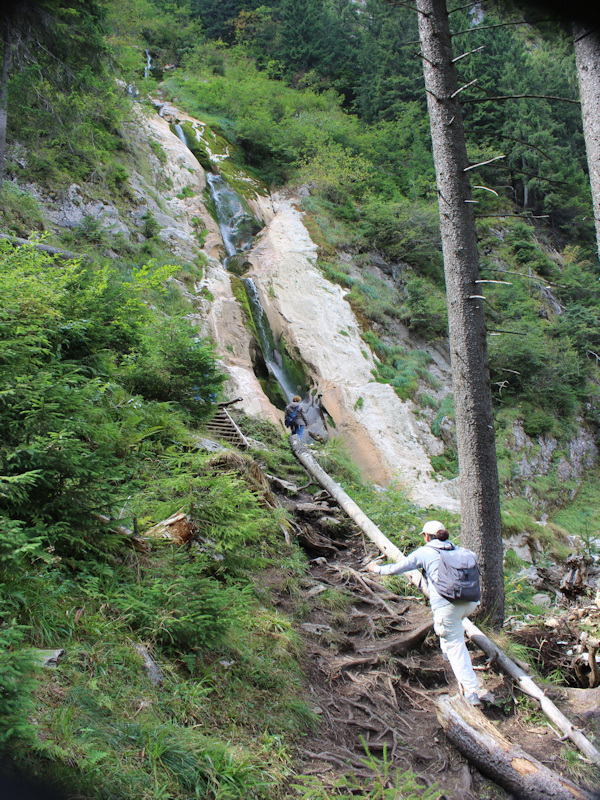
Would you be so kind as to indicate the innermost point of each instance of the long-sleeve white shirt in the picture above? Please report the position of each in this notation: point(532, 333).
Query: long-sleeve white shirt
point(424, 558)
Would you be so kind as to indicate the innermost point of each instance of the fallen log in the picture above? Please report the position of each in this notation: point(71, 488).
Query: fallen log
point(351, 508)
point(177, 527)
point(137, 541)
point(48, 658)
point(497, 757)
point(529, 687)
point(524, 682)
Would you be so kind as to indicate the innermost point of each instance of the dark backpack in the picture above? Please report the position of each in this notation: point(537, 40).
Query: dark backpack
point(458, 575)
point(290, 416)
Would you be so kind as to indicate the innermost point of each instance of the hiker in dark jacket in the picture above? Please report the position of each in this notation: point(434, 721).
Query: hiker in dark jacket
point(447, 615)
point(295, 413)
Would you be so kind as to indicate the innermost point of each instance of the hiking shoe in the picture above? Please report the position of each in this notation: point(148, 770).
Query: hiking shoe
point(473, 699)
point(487, 697)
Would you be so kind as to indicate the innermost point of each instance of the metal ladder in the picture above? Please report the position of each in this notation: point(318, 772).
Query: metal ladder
point(223, 427)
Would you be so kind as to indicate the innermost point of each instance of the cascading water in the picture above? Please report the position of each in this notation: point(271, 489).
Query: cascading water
point(271, 355)
point(148, 67)
point(180, 134)
point(238, 229)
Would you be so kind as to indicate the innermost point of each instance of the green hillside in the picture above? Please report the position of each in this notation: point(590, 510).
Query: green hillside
point(107, 387)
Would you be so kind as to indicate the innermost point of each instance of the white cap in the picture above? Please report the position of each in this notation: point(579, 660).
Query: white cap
point(433, 527)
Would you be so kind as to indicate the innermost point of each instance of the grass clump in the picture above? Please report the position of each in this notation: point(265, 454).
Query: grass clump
point(401, 368)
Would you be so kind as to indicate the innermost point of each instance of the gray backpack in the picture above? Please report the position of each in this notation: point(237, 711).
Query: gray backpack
point(458, 575)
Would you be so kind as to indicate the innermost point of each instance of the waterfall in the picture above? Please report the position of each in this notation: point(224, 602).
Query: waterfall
point(180, 134)
point(237, 227)
point(148, 66)
point(266, 341)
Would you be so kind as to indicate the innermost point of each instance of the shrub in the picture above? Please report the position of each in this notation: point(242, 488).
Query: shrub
point(426, 309)
point(17, 683)
point(150, 227)
point(183, 611)
point(406, 231)
point(175, 366)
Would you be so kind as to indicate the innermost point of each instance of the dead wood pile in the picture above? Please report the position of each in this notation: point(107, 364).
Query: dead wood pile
point(568, 644)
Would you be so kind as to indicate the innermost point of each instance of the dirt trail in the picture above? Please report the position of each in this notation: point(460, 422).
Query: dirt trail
point(374, 670)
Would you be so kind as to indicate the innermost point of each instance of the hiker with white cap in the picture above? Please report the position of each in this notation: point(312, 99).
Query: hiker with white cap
point(453, 581)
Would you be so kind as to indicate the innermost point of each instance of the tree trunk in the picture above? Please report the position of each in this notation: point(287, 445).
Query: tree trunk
point(6, 39)
point(43, 248)
point(587, 56)
point(480, 500)
point(500, 759)
point(525, 189)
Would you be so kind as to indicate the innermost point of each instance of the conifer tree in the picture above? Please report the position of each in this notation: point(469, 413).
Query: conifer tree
point(301, 33)
point(480, 496)
point(587, 53)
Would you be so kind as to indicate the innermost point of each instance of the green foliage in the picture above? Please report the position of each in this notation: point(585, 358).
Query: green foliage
point(334, 458)
point(173, 365)
point(150, 227)
point(386, 784)
point(20, 212)
point(446, 409)
point(168, 29)
point(62, 99)
point(403, 369)
point(541, 373)
point(406, 231)
point(101, 395)
point(187, 191)
point(181, 612)
point(446, 464)
point(426, 308)
point(17, 669)
point(374, 299)
point(71, 431)
point(394, 514)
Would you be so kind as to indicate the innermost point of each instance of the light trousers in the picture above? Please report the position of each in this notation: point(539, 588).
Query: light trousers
point(447, 623)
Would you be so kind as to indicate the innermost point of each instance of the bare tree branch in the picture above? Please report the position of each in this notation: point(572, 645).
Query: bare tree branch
point(483, 163)
point(519, 97)
point(527, 144)
point(470, 52)
point(499, 25)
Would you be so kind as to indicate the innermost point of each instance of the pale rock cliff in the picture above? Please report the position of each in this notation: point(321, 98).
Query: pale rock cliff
point(320, 328)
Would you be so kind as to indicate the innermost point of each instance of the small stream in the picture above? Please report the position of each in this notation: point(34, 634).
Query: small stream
point(271, 354)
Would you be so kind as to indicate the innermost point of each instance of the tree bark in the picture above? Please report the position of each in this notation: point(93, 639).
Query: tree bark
point(586, 41)
point(497, 757)
point(480, 498)
point(6, 40)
